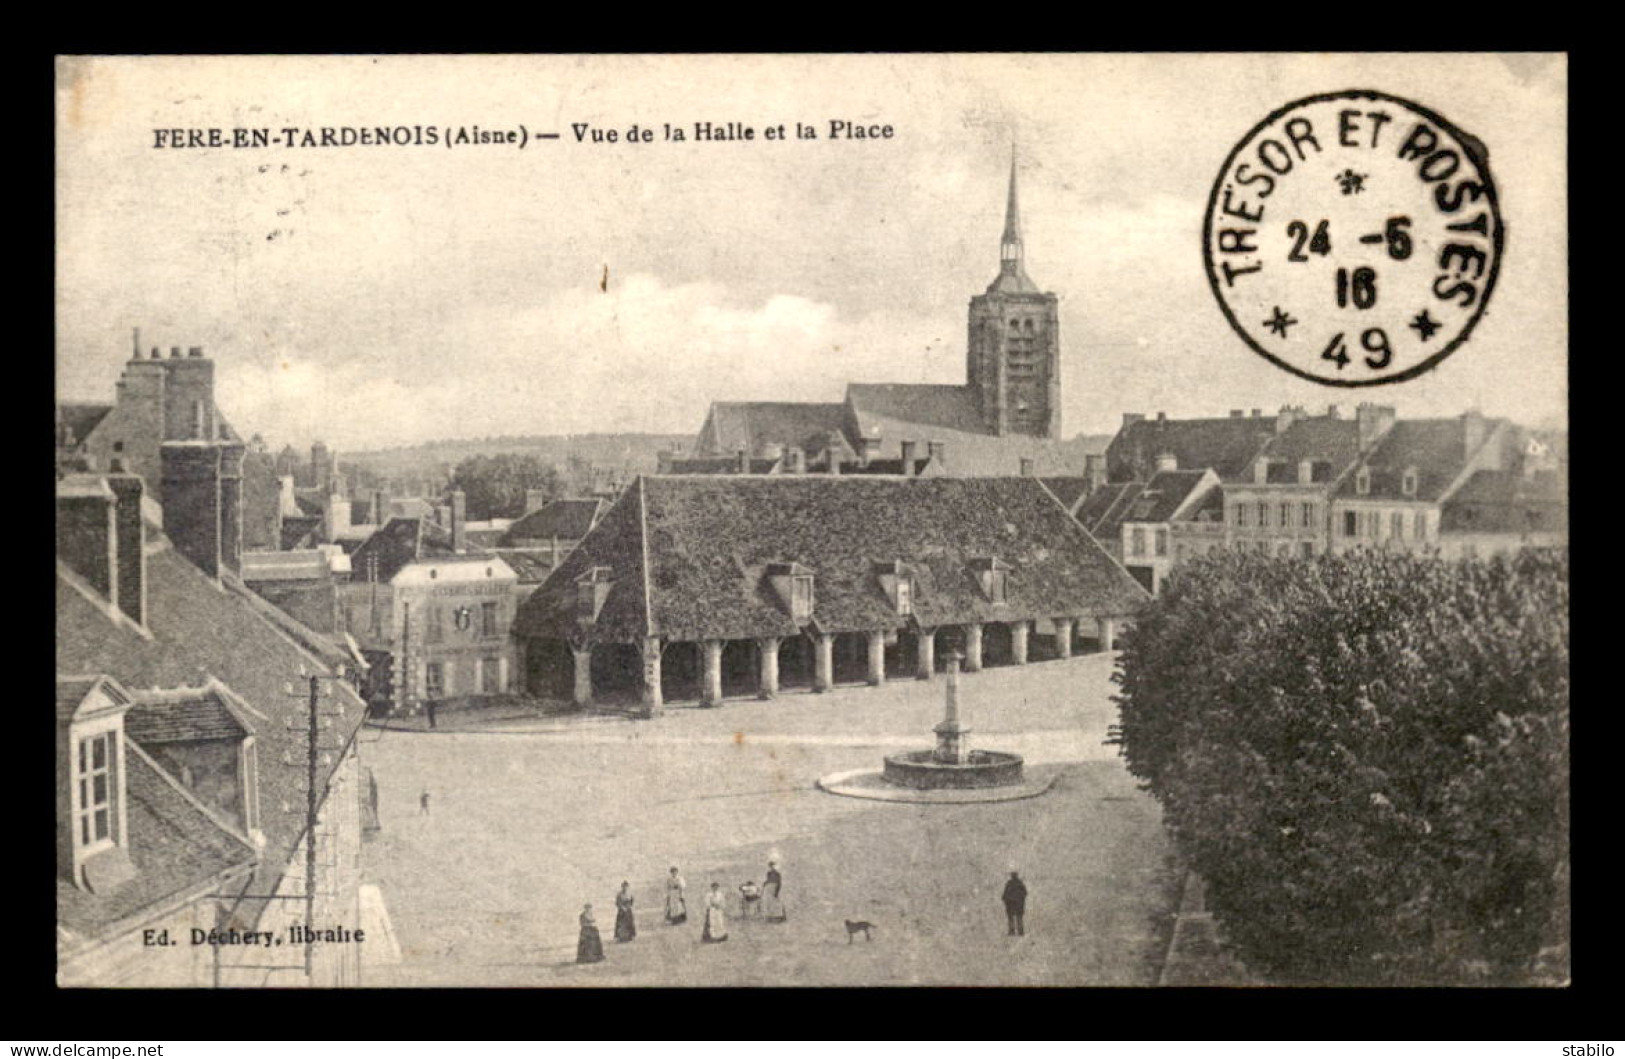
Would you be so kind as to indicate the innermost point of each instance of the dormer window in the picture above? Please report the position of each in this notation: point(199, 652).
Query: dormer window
point(1407, 482)
point(592, 588)
point(794, 585)
point(90, 782)
point(94, 777)
point(897, 581)
point(905, 598)
point(1362, 481)
point(994, 575)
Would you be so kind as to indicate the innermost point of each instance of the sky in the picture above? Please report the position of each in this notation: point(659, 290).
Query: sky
point(373, 296)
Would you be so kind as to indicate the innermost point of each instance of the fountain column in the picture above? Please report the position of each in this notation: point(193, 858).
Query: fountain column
point(952, 748)
point(973, 647)
point(768, 650)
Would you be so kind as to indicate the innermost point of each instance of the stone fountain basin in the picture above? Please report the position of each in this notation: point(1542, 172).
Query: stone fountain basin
point(920, 770)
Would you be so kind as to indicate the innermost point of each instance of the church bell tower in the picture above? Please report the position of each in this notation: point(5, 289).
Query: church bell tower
point(1013, 359)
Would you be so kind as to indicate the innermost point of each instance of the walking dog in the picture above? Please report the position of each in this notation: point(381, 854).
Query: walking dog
point(859, 926)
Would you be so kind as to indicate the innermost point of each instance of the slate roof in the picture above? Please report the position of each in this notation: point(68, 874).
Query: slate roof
point(1102, 512)
point(952, 407)
point(1227, 445)
point(200, 630)
point(71, 691)
point(188, 717)
point(398, 542)
point(1162, 496)
point(688, 556)
point(81, 419)
point(531, 564)
point(564, 519)
point(178, 850)
point(1069, 490)
point(1437, 448)
point(1507, 502)
point(1332, 445)
point(305, 564)
point(751, 425)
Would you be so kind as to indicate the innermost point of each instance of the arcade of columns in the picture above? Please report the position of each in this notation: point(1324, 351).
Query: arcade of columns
point(823, 677)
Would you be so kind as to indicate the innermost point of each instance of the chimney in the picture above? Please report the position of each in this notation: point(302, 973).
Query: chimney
point(191, 499)
point(795, 461)
point(459, 521)
point(742, 461)
point(290, 506)
point(1026, 466)
point(1306, 472)
point(135, 345)
point(231, 505)
point(380, 506)
point(1285, 418)
point(1162, 417)
point(1167, 461)
point(335, 517)
point(189, 410)
point(834, 446)
point(86, 532)
point(868, 448)
point(939, 453)
point(908, 458)
point(1237, 413)
point(1258, 413)
point(1473, 430)
point(662, 466)
point(1372, 422)
point(1094, 469)
point(130, 539)
point(195, 352)
point(1332, 412)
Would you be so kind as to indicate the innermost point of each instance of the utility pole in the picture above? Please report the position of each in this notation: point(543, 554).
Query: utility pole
point(310, 828)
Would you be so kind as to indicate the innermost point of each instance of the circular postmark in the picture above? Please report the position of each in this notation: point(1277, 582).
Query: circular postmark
point(1354, 238)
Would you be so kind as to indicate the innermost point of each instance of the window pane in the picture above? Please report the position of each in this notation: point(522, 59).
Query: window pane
point(101, 824)
point(99, 782)
point(98, 753)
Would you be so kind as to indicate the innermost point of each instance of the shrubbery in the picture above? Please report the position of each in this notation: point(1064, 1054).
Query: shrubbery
point(1366, 758)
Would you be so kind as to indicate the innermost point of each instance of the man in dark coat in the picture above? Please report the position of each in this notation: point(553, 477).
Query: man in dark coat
point(1015, 904)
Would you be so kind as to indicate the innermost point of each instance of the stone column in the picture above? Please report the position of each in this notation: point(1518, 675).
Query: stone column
point(928, 653)
point(1107, 631)
point(877, 657)
point(768, 651)
point(973, 648)
point(1018, 643)
point(583, 657)
point(1063, 636)
point(823, 661)
point(711, 694)
point(651, 698)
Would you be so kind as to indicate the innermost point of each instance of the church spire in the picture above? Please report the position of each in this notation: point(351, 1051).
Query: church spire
point(1010, 244)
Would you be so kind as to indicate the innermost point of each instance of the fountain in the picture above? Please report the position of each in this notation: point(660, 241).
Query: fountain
point(953, 764)
point(950, 772)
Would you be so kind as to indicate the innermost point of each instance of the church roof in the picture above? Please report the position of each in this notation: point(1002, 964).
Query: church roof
point(753, 425)
point(953, 407)
point(689, 556)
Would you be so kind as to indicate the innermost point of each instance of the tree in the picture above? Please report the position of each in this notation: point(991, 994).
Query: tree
point(495, 486)
point(1366, 757)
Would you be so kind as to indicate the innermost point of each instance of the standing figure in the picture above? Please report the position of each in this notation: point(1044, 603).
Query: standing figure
point(750, 899)
point(626, 927)
point(590, 949)
point(716, 920)
point(1015, 904)
point(676, 906)
point(423, 804)
point(772, 901)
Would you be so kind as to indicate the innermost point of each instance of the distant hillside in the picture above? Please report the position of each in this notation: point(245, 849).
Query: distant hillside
point(631, 452)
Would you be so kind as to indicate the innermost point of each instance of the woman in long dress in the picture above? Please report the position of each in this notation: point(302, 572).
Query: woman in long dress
point(676, 907)
point(772, 898)
point(590, 949)
point(626, 928)
point(716, 920)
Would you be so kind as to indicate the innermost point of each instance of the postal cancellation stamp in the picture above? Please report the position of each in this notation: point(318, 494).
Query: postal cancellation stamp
point(1354, 238)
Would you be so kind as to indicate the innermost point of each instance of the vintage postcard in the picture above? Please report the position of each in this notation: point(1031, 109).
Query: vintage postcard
point(787, 520)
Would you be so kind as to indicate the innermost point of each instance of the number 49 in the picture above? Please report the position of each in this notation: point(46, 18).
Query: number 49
point(1374, 340)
